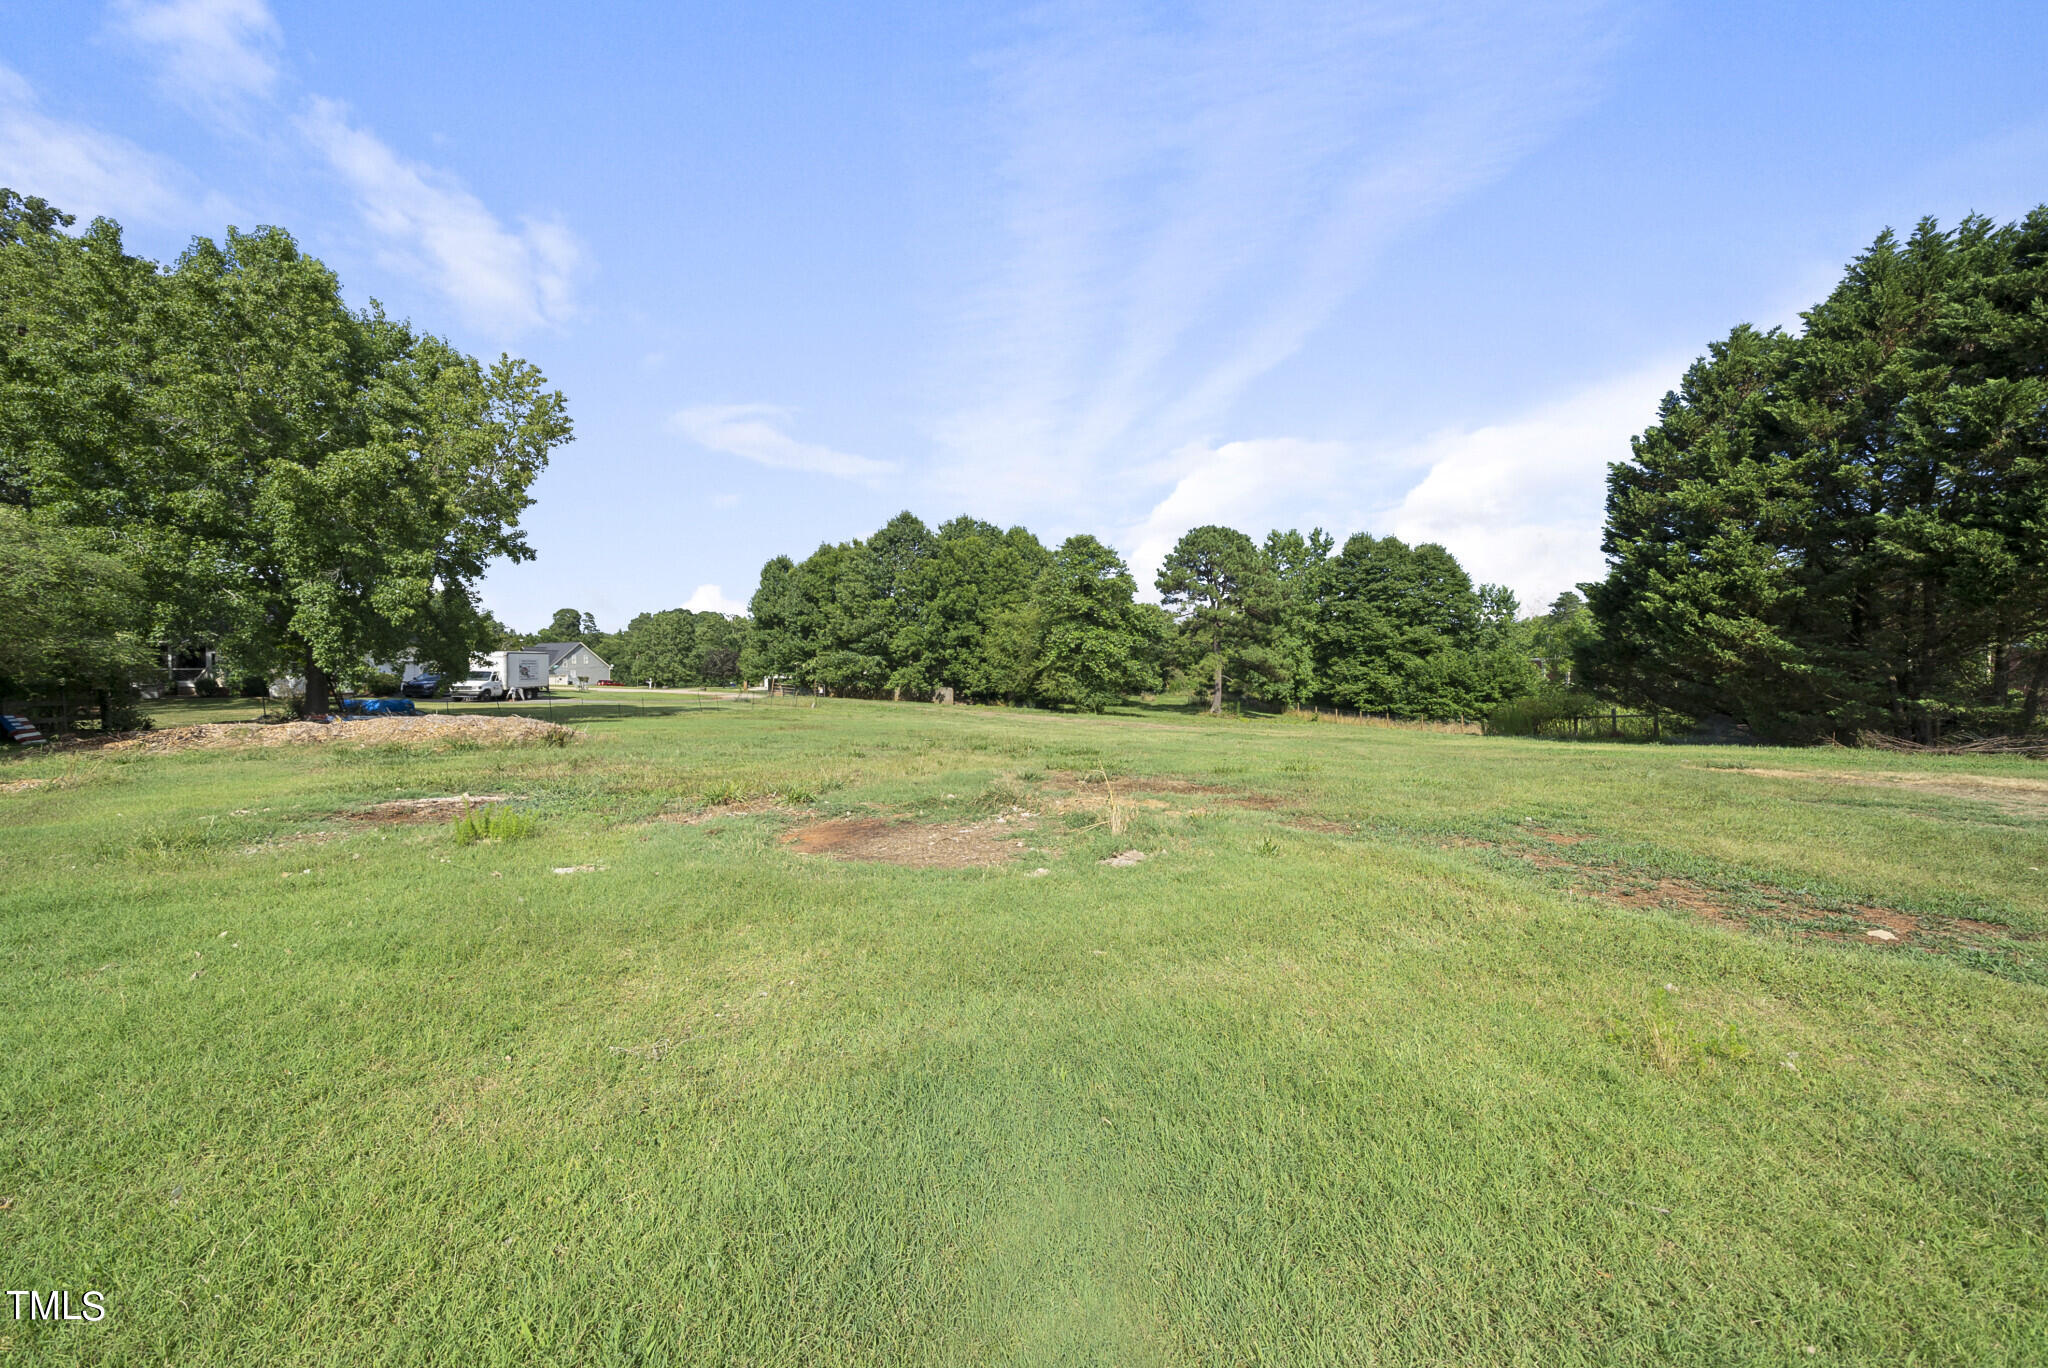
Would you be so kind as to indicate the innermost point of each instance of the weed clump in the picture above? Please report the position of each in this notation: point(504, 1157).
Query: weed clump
point(1672, 1045)
point(494, 824)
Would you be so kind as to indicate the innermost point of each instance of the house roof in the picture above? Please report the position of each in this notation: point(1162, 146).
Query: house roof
point(558, 651)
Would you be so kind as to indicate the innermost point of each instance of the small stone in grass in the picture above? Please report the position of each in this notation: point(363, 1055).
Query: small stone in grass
point(1879, 933)
point(1125, 859)
point(1040, 872)
point(574, 869)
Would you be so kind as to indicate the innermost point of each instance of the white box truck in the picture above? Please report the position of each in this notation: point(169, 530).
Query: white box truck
point(503, 674)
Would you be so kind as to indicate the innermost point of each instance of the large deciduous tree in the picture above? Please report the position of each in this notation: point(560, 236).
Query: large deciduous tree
point(1401, 630)
point(70, 615)
point(301, 484)
point(1094, 643)
point(974, 576)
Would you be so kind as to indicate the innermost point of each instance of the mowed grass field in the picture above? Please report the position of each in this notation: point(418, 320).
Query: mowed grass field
point(1396, 1048)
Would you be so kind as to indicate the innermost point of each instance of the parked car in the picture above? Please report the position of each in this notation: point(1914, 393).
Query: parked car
point(421, 686)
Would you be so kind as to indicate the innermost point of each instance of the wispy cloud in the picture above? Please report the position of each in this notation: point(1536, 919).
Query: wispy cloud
point(430, 226)
point(215, 55)
point(755, 432)
point(224, 60)
point(1522, 502)
point(77, 168)
point(1186, 203)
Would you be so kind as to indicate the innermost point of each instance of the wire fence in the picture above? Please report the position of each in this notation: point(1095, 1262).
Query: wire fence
point(577, 709)
point(1612, 725)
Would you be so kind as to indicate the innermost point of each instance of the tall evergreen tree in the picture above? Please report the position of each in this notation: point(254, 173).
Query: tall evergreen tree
point(1848, 528)
point(1228, 602)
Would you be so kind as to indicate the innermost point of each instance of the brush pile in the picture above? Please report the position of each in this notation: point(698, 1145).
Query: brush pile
point(2031, 747)
point(427, 732)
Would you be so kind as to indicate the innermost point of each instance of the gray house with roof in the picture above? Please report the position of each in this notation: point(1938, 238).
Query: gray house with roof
point(572, 665)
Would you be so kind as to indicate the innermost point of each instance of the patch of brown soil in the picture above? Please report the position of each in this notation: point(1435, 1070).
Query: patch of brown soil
point(2016, 795)
point(931, 845)
point(1782, 908)
point(1160, 783)
point(1320, 825)
point(425, 731)
point(409, 811)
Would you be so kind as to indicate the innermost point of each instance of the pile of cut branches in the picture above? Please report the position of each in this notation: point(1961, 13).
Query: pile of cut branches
point(2033, 747)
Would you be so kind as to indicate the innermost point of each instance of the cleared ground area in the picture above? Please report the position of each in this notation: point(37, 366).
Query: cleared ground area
point(878, 1034)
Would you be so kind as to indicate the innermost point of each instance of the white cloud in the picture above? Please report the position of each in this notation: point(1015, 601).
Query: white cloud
point(431, 227)
point(1186, 200)
point(1250, 485)
point(710, 598)
point(754, 431)
point(1522, 502)
point(79, 169)
point(216, 54)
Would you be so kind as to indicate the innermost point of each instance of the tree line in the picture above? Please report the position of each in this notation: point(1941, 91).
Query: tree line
point(221, 451)
point(1824, 532)
point(996, 615)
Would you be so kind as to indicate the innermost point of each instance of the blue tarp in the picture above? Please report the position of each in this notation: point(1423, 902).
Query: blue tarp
point(379, 707)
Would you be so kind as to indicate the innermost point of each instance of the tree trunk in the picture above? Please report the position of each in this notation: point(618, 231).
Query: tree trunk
point(1216, 697)
point(316, 688)
point(2031, 708)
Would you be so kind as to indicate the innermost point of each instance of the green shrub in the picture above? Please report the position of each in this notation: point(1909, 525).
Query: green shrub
point(1529, 716)
point(125, 714)
point(372, 683)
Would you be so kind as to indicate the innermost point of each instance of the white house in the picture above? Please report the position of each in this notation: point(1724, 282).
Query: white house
point(572, 665)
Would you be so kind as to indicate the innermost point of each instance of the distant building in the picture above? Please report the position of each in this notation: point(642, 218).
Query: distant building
point(572, 665)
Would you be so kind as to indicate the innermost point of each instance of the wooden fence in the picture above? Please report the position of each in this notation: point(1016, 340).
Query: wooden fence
point(62, 715)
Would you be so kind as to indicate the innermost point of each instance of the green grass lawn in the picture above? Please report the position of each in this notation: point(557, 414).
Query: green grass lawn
point(1397, 1048)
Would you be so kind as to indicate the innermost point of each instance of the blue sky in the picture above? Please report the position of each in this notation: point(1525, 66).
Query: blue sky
point(1124, 269)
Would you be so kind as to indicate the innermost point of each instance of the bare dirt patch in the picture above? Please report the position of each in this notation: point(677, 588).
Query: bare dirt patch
point(21, 785)
point(1322, 825)
point(2012, 794)
point(425, 732)
point(1766, 908)
point(414, 811)
point(1129, 785)
point(931, 845)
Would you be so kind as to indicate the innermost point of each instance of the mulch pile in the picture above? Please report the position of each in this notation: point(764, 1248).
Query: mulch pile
point(425, 732)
